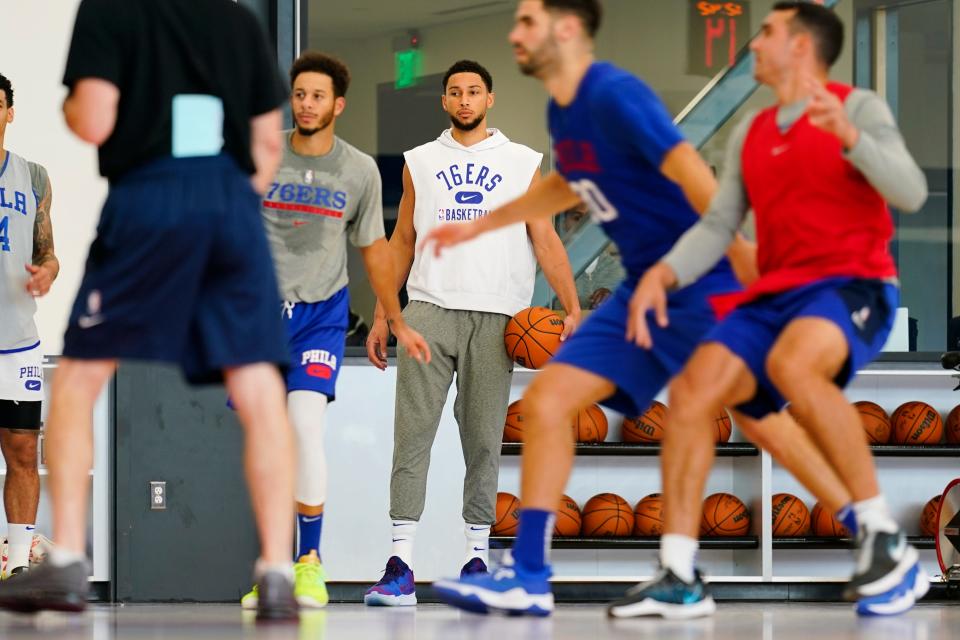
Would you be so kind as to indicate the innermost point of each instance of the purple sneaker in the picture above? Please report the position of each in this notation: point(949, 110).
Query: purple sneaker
point(476, 567)
point(395, 589)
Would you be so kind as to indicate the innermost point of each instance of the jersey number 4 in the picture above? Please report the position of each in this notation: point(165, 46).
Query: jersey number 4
point(600, 208)
point(5, 233)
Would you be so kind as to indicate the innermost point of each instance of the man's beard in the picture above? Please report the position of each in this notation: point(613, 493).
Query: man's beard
point(467, 126)
point(323, 124)
point(540, 60)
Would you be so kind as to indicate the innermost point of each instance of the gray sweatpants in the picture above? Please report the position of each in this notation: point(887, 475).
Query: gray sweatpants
point(470, 345)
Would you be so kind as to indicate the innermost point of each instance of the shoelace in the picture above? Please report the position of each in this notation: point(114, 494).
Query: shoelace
point(310, 569)
point(288, 308)
point(391, 573)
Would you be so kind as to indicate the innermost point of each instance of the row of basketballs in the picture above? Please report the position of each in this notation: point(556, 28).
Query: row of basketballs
point(913, 422)
point(591, 425)
point(791, 518)
point(609, 515)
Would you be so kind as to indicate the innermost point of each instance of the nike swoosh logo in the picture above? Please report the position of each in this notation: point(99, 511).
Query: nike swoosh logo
point(479, 528)
point(306, 519)
point(479, 548)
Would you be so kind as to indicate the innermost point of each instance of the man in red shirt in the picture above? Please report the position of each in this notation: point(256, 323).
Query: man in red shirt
point(818, 169)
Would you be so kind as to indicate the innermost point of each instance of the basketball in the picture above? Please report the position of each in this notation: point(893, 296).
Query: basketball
point(876, 422)
point(568, 518)
point(533, 336)
point(607, 516)
point(953, 426)
point(723, 426)
point(648, 516)
point(825, 524)
point(790, 516)
point(590, 425)
point(513, 427)
point(724, 515)
point(647, 427)
point(929, 524)
point(916, 423)
point(508, 515)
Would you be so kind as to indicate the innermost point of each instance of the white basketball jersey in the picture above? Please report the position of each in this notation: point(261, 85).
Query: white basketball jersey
point(493, 273)
point(18, 211)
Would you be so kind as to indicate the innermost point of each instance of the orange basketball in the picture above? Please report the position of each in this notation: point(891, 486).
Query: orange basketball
point(533, 336)
point(724, 515)
point(953, 426)
point(568, 518)
point(648, 516)
point(916, 423)
point(508, 515)
point(790, 516)
point(876, 422)
point(825, 524)
point(590, 425)
point(724, 426)
point(929, 523)
point(513, 427)
point(647, 427)
point(607, 515)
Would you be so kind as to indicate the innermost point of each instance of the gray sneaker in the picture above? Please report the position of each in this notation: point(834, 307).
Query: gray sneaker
point(47, 587)
point(276, 602)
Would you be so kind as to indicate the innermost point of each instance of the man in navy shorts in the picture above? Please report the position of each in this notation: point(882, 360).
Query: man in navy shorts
point(180, 270)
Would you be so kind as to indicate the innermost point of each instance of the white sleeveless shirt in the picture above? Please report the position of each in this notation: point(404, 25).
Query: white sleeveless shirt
point(495, 272)
point(18, 211)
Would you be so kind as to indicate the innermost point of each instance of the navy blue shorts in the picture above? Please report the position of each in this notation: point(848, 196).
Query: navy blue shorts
point(317, 333)
point(600, 346)
point(180, 272)
point(863, 309)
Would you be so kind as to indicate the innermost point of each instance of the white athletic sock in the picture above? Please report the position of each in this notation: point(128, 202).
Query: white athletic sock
point(404, 532)
point(19, 539)
point(873, 514)
point(62, 557)
point(478, 542)
point(679, 554)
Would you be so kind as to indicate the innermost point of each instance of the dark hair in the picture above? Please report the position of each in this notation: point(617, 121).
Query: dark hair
point(468, 66)
point(821, 23)
point(7, 89)
point(590, 12)
point(314, 61)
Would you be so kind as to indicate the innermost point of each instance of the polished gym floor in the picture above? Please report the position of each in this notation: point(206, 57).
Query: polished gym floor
point(573, 622)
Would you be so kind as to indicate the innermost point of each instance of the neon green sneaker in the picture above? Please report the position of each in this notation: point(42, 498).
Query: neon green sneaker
point(309, 585)
point(249, 601)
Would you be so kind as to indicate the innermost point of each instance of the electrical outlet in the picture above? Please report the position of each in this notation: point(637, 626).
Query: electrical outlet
point(158, 494)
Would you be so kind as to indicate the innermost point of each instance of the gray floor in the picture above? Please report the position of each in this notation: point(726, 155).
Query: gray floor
point(733, 621)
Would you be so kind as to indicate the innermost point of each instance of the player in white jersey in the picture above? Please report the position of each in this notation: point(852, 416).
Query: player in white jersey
point(28, 266)
point(461, 305)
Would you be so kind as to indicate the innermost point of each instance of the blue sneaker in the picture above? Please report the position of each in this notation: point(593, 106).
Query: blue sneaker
point(395, 589)
point(665, 595)
point(899, 599)
point(507, 590)
point(474, 567)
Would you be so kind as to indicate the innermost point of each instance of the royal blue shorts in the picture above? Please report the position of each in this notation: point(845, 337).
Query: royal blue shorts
point(180, 272)
point(863, 309)
point(600, 345)
point(317, 333)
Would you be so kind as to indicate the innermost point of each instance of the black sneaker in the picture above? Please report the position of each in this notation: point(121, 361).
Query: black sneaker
point(883, 560)
point(276, 602)
point(47, 587)
point(665, 595)
point(474, 567)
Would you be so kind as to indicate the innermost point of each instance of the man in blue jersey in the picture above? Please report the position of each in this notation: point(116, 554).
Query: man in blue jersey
point(619, 153)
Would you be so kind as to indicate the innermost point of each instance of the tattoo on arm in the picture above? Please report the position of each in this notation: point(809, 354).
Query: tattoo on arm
point(43, 228)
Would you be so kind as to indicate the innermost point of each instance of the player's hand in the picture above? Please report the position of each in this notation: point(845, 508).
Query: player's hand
point(598, 296)
point(377, 343)
point(743, 258)
point(650, 295)
point(448, 235)
point(41, 278)
point(570, 324)
point(827, 113)
point(414, 344)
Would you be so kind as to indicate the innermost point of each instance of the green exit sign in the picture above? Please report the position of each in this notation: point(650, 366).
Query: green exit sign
point(407, 66)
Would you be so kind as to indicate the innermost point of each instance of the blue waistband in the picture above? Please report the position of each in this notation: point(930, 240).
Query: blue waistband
point(6, 352)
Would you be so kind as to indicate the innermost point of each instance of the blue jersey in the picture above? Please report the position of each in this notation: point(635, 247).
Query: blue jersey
point(609, 144)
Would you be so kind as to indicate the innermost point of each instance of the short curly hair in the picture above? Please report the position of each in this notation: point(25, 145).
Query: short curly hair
point(314, 61)
point(7, 89)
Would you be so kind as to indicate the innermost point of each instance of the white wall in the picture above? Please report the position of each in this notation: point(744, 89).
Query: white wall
point(33, 50)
